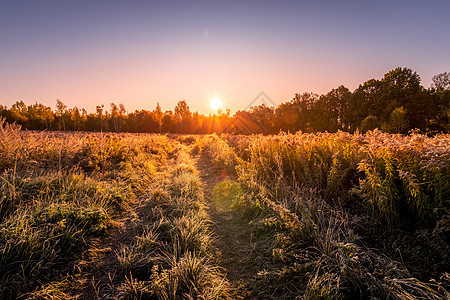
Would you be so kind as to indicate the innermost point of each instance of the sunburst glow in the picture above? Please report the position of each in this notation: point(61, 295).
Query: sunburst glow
point(215, 103)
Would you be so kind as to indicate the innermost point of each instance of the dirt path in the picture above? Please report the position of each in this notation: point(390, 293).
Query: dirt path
point(234, 239)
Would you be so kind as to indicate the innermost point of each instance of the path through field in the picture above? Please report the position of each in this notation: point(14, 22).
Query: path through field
point(234, 240)
point(237, 250)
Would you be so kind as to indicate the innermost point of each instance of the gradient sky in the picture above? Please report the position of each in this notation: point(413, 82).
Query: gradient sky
point(88, 53)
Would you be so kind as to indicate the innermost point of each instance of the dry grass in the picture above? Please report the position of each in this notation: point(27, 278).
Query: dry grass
point(59, 192)
point(327, 216)
point(321, 198)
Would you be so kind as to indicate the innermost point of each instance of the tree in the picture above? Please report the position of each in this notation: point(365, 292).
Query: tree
point(141, 121)
point(304, 104)
point(60, 112)
point(441, 82)
point(182, 110)
point(47, 116)
point(264, 118)
point(440, 93)
point(116, 116)
point(122, 116)
point(39, 117)
point(169, 122)
point(18, 113)
point(397, 102)
point(286, 117)
point(340, 99)
point(363, 102)
point(3, 111)
point(329, 111)
point(399, 87)
point(159, 116)
point(76, 118)
point(398, 121)
point(420, 110)
point(243, 123)
point(100, 115)
point(182, 114)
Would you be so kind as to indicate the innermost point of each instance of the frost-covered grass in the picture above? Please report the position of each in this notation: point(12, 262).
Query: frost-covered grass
point(343, 215)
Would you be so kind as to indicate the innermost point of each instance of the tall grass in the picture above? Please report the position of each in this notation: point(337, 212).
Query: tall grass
point(395, 175)
point(218, 151)
point(311, 192)
point(59, 191)
point(36, 243)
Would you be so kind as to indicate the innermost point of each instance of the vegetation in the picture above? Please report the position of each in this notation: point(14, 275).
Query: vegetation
point(344, 216)
point(287, 216)
point(396, 103)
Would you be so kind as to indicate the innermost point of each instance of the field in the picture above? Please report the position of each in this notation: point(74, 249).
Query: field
point(288, 216)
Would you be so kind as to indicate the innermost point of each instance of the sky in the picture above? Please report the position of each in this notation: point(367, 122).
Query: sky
point(138, 53)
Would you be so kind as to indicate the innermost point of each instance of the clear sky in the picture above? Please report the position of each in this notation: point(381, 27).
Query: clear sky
point(138, 53)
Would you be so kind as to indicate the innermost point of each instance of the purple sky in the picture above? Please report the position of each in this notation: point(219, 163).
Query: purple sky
point(88, 53)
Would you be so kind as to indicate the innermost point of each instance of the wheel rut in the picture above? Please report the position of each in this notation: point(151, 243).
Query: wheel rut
point(100, 262)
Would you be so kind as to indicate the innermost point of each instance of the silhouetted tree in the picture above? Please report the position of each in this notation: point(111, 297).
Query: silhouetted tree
point(18, 113)
point(100, 115)
point(61, 112)
point(182, 115)
point(441, 81)
point(159, 116)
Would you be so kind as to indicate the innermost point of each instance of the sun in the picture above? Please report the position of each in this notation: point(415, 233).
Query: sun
point(215, 103)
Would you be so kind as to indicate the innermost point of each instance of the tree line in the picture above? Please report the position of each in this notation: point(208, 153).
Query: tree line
point(396, 103)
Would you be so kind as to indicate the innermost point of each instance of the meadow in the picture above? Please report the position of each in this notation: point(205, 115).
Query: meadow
point(287, 216)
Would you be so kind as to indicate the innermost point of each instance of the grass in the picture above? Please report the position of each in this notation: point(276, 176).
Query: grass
point(318, 202)
point(36, 243)
point(174, 257)
point(60, 193)
point(320, 216)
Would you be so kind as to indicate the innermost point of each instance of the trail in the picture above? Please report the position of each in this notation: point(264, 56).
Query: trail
point(236, 247)
point(234, 240)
